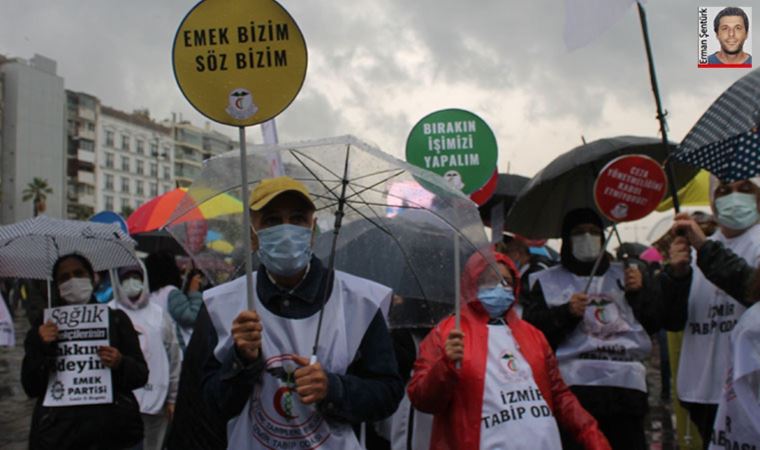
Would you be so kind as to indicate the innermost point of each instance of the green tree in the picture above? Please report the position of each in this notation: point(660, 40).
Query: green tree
point(37, 191)
point(127, 211)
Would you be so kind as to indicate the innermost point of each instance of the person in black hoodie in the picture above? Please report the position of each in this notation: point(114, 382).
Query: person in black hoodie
point(105, 426)
point(195, 427)
point(600, 337)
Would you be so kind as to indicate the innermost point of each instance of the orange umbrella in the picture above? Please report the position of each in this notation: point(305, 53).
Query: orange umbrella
point(154, 214)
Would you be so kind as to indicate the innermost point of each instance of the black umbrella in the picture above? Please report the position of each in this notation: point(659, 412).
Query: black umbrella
point(158, 241)
point(415, 259)
point(507, 188)
point(567, 183)
point(726, 139)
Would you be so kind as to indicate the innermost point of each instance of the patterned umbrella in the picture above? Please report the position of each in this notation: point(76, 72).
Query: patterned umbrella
point(154, 214)
point(726, 139)
point(30, 248)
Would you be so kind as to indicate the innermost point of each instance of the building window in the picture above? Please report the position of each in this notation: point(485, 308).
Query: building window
point(109, 184)
point(125, 142)
point(109, 138)
point(154, 149)
point(125, 163)
point(153, 189)
point(139, 187)
point(153, 169)
point(108, 200)
point(125, 185)
point(167, 173)
point(125, 203)
point(90, 126)
point(167, 188)
point(109, 160)
point(140, 147)
point(140, 167)
point(86, 145)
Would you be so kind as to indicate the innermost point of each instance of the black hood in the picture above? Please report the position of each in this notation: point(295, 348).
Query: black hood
point(568, 261)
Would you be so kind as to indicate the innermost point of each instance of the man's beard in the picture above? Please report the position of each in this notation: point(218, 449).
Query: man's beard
point(735, 52)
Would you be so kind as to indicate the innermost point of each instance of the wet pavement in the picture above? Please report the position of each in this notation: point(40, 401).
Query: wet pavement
point(16, 408)
point(660, 422)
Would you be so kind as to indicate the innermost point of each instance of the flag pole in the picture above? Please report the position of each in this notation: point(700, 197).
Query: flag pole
point(658, 102)
point(246, 221)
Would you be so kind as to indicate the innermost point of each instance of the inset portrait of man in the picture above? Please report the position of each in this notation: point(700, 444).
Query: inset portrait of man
point(731, 26)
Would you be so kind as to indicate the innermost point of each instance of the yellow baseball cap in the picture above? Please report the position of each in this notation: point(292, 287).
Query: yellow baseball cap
point(269, 188)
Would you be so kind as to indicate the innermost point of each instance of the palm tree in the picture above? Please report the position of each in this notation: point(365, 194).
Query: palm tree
point(37, 191)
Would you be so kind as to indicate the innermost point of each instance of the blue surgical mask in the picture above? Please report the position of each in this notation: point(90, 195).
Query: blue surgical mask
point(284, 249)
point(737, 211)
point(496, 300)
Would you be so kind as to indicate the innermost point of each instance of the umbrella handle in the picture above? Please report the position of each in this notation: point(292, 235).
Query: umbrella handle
point(313, 359)
point(598, 261)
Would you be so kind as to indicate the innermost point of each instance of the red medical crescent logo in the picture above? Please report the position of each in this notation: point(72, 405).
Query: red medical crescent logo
point(283, 393)
point(599, 315)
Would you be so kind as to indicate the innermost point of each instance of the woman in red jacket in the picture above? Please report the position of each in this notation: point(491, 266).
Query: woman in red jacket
point(495, 383)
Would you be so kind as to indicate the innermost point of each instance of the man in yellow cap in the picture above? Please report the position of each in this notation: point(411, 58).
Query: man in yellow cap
point(260, 376)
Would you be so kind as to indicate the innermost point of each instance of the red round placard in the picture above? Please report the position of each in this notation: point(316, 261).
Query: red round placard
point(482, 195)
point(629, 188)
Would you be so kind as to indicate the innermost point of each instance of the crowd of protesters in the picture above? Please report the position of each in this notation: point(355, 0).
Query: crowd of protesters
point(548, 353)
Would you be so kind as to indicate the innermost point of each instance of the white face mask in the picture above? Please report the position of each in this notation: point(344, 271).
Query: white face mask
point(586, 246)
point(132, 287)
point(76, 291)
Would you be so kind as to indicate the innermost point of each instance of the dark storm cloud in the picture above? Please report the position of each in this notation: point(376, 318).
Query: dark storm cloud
point(121, 52)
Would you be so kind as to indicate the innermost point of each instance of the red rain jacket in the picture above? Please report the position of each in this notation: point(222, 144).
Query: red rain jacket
point(455, 396)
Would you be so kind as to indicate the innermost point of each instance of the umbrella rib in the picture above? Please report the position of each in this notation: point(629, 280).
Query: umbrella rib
point(316, 178)
point(387, 205)
point(365, 189)
point(376, 173)
point(442, 218)
point(294, 152)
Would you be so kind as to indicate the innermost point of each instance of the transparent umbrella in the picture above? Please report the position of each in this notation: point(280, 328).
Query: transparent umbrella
point(375, 214)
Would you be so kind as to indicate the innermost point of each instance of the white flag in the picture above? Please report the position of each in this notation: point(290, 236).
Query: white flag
point(585, 20)
point(269, 133)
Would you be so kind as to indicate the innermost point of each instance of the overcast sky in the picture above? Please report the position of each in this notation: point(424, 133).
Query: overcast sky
point(376, 67)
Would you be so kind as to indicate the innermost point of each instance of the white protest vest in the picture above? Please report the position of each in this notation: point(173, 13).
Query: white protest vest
point(161, 298)
point(737, 424)
point(712, 315)
point(274, 417)
point(514, 415)
point(7, 330)
point(149, 325)
point(608, 345)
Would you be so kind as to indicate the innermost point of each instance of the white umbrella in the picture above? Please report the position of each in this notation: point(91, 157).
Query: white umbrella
point(30, 248)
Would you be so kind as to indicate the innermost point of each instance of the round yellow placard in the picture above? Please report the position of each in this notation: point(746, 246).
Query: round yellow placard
point(239, 62)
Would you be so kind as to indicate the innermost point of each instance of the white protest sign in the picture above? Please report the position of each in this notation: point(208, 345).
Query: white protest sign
point(7, 332)
point(79, 377)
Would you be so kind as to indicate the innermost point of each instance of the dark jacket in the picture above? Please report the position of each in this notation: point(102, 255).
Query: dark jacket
point(194, 427)
point(369, 391)
point(720, 266)
point(115, 425)
point(557, 323)
point(727, 270)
